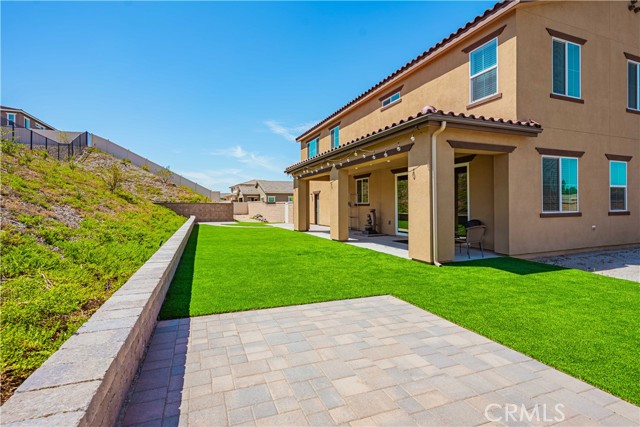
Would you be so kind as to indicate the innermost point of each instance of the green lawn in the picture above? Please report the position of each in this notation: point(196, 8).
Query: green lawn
point(248, 224)
point(581, 323)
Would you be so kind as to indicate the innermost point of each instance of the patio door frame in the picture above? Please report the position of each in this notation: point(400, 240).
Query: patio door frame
point(395, 189)
point(466, 166)
point(316, 207)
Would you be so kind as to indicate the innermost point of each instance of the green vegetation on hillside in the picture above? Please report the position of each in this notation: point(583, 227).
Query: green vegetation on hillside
point(581, 323)
point(67, 243)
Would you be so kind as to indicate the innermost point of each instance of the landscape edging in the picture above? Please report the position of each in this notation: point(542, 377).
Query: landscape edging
point(86, 381)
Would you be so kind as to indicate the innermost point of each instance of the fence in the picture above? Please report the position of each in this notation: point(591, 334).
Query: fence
point(122, 153)
point(37, 141)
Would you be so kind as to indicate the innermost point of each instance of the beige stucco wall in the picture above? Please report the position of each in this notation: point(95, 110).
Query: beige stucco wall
point(323, 189)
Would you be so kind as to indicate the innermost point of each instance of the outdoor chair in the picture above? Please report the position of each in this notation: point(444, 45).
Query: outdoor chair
point(475, 234)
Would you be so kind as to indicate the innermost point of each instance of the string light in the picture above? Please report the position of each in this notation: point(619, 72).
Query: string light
point(413, 138)
point(385, 154)
point(373, 157)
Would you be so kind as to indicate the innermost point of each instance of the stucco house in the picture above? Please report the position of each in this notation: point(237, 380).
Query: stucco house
point(526, 118)
point(275, 191)
point(17, 117)
point(245, 192)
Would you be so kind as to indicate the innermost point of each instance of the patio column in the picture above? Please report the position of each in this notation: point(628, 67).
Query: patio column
point(419, 168)
point(300, 205)
point(339, 199)
point(446, 202)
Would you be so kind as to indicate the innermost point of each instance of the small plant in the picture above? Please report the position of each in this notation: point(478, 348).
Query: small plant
point(25, 158)
point(72, 163)
point(8, 145)
point(44, 154)
point(113, 177)
point(164, 174)
point(145, 168)
point(125, 161)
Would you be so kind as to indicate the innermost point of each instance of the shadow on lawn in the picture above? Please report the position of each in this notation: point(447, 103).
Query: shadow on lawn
point(177, 302)
point(517, 266)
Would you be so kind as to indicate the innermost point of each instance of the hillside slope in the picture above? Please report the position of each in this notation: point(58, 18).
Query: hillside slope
point(67, 243)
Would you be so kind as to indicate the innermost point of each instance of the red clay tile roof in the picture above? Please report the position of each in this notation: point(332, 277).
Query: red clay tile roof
point(427, 111)
point(497, 7)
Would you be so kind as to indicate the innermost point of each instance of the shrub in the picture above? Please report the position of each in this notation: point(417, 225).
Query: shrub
point(113, 177)
point(9, 146)
point(164, 174)
point(145, 168)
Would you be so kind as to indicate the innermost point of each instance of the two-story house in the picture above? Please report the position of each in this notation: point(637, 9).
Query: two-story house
point(526, 118)
point(20, 118)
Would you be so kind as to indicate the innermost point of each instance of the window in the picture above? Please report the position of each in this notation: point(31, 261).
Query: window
point(11, 118)
point(362, 191)
point(312, 148)
point(559, 184)
point(39, 126)
point(566, 68)
point(27, 123)
point(390, 100)
point(483, 71)
point(271, 199)
point(290, 198)
point(633, 85)
point(617, 186)
point(335, 136)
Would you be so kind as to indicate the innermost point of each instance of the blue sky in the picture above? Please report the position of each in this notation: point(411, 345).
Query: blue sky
point(215, 90)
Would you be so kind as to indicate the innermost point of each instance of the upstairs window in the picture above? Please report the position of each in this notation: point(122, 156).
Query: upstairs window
point(483, 69)
point(362, 191)
point(566, 68)
point(312, 148)
point(27, 123)
point(617, 186)
point(391, 99)
point(559, 184)
point(633, 85)
point(335, 136)
point(39, 126)
point(11, 118)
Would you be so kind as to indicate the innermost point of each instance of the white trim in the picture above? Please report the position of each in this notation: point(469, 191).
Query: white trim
point(27, 126)
point(11, 120)
point(626, 190)
point(566, 69)
point(637, 107)
point(388, 98)
point(577, 159)
point(358, 194)
point(473, 76)
point(395, 188)
point(269, 199)
point(317, 141)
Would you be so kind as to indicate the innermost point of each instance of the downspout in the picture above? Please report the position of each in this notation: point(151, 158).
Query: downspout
point(434, 196)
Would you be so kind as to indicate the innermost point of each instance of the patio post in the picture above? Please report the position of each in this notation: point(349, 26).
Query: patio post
point(339, 196)
point(300, 205)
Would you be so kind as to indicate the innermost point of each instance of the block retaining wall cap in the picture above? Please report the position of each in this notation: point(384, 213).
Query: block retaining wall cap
point(85, 382)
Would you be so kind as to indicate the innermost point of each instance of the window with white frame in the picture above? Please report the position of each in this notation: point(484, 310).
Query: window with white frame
point(391, 99)
point(335, 136)
point(11, 118)
point(27, 123)
point(38, 126)
point(290, 198)
point(312, 148)
point(617, 186)
point(483, 71)
point(559, 184)
point(271, 199)
point(633, 85)
point(566, 68)
point(362, 191)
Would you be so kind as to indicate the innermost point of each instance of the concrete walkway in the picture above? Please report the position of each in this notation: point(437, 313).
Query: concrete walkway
point(370, 361)
point(390, 245)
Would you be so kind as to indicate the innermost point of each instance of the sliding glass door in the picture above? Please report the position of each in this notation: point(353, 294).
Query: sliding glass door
point(402, 203)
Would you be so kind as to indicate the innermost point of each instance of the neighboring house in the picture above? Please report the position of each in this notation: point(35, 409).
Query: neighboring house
point(262, 190)
point(20, 118)
point(527, 119)
point(275, 191)
point(245, 192)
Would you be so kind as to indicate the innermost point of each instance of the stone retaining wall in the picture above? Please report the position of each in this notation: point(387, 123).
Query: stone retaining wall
point(85, 382)
point(204, 212)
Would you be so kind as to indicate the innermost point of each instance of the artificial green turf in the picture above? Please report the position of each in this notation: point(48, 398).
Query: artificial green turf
point(249, 224)
point(581, 323)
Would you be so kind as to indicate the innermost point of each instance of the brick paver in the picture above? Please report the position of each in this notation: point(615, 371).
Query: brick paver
point(362, 362)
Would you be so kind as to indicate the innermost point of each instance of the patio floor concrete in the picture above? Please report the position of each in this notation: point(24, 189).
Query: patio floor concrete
point(387, 244)
point(369, 361)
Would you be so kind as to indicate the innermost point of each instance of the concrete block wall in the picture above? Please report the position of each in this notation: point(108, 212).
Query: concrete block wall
point(122, 153)
point(86, 381)
point(273, 212)
point(203, 212)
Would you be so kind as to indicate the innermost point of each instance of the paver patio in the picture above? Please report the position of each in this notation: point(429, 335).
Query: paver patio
point(369, 361)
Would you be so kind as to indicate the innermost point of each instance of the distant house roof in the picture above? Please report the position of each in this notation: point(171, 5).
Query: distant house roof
point(251, 182)
point(18, 110)
point(248, 190)
point(276, 187)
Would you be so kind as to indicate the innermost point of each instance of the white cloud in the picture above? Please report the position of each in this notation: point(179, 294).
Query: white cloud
point(217, 179)
point(287, 132)
point(249, 158)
